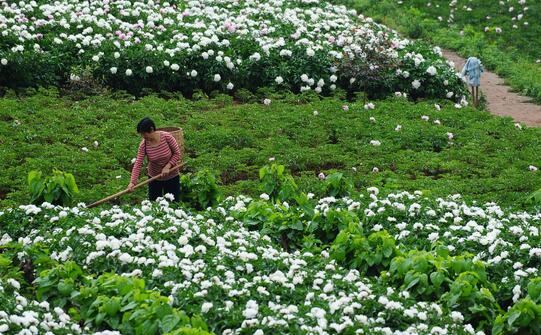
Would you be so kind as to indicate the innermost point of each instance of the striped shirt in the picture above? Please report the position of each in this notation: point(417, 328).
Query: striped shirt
point(167, 151)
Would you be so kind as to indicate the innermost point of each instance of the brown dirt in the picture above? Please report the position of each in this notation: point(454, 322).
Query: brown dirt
point(500, 100)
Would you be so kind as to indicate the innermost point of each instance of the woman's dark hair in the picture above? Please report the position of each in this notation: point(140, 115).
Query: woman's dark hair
point(146, 125)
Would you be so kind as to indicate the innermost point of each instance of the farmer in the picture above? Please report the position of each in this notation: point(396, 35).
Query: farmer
point(162, 153)
point(473, 69)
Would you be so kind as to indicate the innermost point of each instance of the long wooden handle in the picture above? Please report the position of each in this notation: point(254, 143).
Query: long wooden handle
point(143, 183)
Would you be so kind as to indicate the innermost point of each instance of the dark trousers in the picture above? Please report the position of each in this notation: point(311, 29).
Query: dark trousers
point(158, 188)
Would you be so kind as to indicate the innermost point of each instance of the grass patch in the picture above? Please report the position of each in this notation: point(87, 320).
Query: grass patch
point(487, 159)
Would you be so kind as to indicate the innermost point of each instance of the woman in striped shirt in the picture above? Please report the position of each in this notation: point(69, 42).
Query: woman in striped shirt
point(162, 153)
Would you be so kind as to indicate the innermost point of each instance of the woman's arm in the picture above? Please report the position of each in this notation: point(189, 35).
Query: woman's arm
point(138, 163)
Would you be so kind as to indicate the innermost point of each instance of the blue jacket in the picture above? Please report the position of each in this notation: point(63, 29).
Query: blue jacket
point(473, 69)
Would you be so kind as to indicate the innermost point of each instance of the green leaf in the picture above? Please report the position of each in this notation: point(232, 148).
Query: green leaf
point(65, 287)
point(437, 278)
point(129, 306)
point(169, 322)
point(512, 317)
point(112, 306)
point(99, 318)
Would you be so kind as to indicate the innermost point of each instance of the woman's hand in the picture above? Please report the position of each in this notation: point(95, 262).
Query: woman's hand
point(165, 170)
point(130, 187)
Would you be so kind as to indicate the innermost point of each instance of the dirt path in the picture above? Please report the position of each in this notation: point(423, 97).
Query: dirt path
point(501, 101)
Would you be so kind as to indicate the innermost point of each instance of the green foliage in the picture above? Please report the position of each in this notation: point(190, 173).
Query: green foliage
point(57, 189)
point(337, 185)
point(534, 289)
point(457, 281)
point(114, 302)
point(523, 318)
point(326, 226)
point(487, 160)
point(277, 184)
point(369, 254)
point(199, 190)
point(429, 275)
point(57, 285)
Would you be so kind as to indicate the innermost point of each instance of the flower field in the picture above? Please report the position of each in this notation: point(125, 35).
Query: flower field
point(446, 267)
point(336, 180)
point(214, 45)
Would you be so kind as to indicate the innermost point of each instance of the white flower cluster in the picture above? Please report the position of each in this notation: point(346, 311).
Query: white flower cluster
point(205, 38)
point(212, 265)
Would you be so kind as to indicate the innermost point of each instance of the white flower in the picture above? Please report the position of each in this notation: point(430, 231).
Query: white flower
point(267, 102)
point(375, 143)
point(4, 61)
point(175, 67)
point(95, 58)
point(321, 175)
point(373, 190)
point(328, 288)
point(431, 70)
point(217, 77)
point(304, 78)
point(375, 170)
point(279, 80)
point(206, 307)
point(252, 309)
point(369, 106)
point(255, 57)
point(345, 107)
point(532, 168)
point(449, 95)
point(166, 63)
point(438, 107)
point(125, 258)
point(96, 144)
point(85, 149)
point(264, 196)
point(129, 72)
point(333, 78)
point(316, 113)
point(193, 73)
point(310, 52)
point(183, 240)
point(116, 55)
point(230, 86)
point(518, 126)
point(450, 136)
point(398, 127)
point(113, 70)
point(425, 118)
point(14, 283)
point(416, 84)
point(149, 69)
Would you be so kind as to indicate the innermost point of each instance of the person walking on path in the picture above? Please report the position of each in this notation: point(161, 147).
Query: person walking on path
point(163, 153)
point(473, 69)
